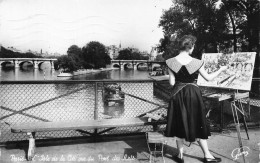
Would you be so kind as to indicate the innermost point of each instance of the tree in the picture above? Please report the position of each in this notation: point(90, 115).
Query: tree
point(244, 20)
point(7, 53)
point(159, 58)
point(125, 54)
point(74, 51)
point(95, 55)
point(192, 17)
point(132, 54)
point(67, 63)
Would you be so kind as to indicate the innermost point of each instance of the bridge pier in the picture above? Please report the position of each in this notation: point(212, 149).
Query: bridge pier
point(16, 64)
point(135, 66)
point(136, 62)
point(52, 64)
point(34, 61)
point(35, 64)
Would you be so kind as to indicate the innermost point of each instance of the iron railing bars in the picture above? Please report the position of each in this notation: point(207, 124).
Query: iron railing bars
point(96, 106)
point(25, 114)
point(139, 98)
point(141, 115)
point(85, 132)
point(71, 81)
point(41, 103)
point(150, 111)
point(96, 84)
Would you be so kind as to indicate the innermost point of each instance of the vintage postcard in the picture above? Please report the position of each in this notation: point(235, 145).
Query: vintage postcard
point(238, 74)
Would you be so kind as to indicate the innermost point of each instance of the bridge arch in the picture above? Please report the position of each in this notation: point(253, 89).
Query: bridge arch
point(23, 62)
point(136, 63)
point(125, 65)
point(142, 64)
point(41, 62)
point(115, 65)
point(18, 62)
point(4, 63)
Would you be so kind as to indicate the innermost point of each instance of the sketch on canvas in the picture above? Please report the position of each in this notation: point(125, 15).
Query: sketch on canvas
point(238, 74)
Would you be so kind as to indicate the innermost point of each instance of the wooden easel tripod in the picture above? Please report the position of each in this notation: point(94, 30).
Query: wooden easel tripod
point(235, 98)
point(237, 107)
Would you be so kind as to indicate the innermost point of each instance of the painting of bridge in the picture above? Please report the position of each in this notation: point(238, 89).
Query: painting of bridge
point(238, 74)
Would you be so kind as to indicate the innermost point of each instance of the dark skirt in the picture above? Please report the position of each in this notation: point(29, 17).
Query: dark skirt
point(186, 115)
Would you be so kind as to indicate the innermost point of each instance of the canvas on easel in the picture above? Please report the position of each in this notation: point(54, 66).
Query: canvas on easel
point(238, 75)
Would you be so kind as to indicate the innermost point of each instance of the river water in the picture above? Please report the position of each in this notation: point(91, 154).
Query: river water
point(55, 102)
point(46, 73)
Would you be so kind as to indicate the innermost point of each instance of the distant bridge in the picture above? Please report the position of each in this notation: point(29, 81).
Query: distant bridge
point(122, 64)
point(18, 62)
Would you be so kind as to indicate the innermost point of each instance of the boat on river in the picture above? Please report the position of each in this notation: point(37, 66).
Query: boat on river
point(65, 74)
point(107, 69)
point(78, 72)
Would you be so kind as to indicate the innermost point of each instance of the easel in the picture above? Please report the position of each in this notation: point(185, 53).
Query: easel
point(236, 105)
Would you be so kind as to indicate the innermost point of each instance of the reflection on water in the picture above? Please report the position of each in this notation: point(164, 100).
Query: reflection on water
point(78, 94)
point(59, 102)
point(113, 100)
point(46, 73)
point(28, 73)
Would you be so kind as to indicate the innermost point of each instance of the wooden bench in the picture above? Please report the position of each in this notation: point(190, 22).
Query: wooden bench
point(33, 127)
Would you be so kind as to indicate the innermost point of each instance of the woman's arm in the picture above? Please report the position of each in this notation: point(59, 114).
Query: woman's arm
point(171, 77)
point(211, 76)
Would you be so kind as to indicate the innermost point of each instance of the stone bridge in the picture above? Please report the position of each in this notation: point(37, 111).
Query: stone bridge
point(135, 64)
point(18, 62)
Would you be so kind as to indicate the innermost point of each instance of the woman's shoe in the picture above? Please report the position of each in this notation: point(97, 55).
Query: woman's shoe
point(208, 160)
point(178, 159)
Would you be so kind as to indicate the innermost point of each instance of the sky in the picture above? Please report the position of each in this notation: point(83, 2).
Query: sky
point(55, 25)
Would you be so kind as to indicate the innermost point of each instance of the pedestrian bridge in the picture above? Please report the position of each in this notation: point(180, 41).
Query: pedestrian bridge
point(135, 64)
point(18, 62)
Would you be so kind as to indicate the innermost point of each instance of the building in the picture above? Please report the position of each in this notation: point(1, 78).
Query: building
point(113, 51)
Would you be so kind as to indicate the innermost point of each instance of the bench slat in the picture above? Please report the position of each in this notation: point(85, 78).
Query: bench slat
point(79, 124)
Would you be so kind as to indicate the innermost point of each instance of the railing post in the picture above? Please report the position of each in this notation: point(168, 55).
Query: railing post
point(96, 109)
point(96, 102)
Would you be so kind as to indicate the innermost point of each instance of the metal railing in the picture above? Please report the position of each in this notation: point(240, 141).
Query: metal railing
point(34, 101)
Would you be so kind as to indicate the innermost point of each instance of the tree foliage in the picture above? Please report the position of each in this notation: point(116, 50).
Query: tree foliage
point(6, 53)
point(192, 17)
point(74, 51)
point(132, 54)
point(216, 30)
point(67, 63)
point(159, 58)
point(95, 55)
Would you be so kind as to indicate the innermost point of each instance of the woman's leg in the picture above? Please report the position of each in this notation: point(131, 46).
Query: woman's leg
point(180, 148)
point(204, 146)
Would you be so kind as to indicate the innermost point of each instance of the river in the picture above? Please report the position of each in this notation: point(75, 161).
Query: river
point(55, 102)
point(46, 73)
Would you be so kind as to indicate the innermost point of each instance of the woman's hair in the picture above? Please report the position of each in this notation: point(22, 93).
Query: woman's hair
point(187, 42)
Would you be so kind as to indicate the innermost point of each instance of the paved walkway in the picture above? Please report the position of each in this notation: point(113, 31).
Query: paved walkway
point(134, 149)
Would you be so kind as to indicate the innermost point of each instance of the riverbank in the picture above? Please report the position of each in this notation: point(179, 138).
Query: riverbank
point(83, 71)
